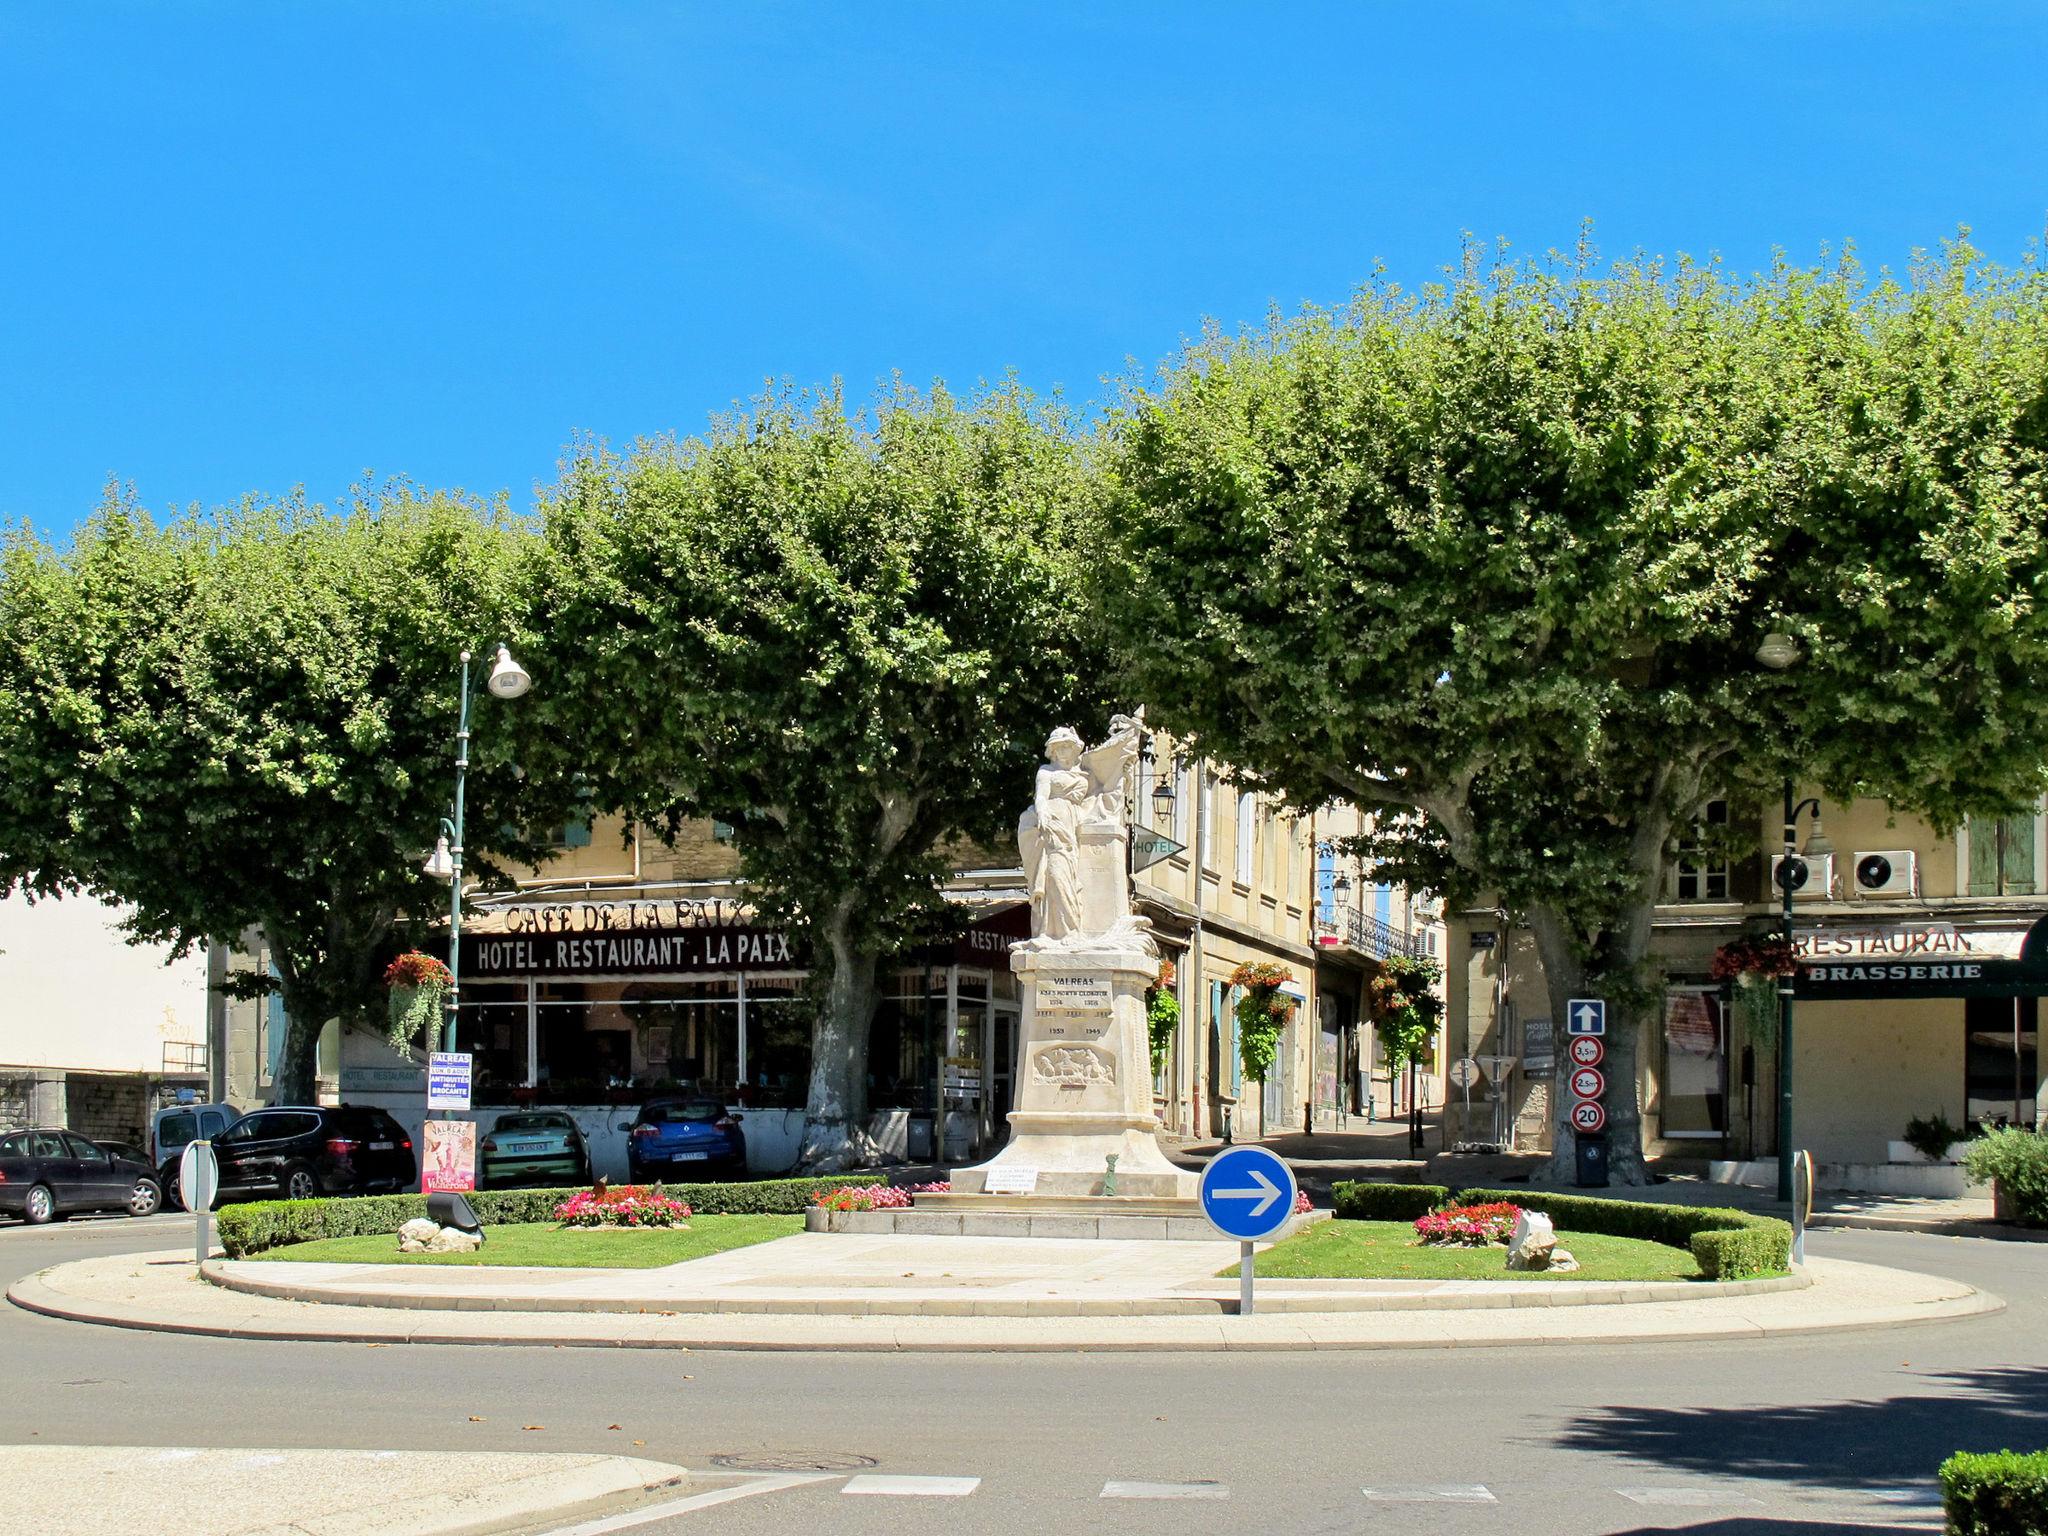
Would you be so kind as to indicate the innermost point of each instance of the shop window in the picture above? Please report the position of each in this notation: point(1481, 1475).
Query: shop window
point(492, 1028)
point(780, 1014)
point(1693, 1080)
point(2002, 855)
point(2001, 1059)
point(1702, 873)
point(904, 1044)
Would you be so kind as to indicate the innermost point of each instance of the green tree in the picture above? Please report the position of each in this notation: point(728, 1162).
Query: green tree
point(1494, 562)
point(248, 719)
point(845, 637)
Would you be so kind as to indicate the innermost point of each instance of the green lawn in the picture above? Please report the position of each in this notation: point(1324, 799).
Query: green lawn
point(1387, 1250)
point(546, 1245)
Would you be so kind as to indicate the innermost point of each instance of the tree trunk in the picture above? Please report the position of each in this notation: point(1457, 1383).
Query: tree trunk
point(836, 1114)
point(298, 1061)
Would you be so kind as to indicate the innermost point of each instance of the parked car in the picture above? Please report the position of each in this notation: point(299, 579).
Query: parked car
point(171, 1127)
point(125, 1149)
point(533, 1146)
point(684, 1138)
point(47, 1175)
point(300, 1151)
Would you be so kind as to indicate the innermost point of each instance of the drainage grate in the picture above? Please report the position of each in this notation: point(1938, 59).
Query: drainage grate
point(792, 1461)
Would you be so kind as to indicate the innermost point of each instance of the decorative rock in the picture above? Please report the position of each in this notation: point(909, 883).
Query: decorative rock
point(1561, 1261)
point(453, 1240)
point(414, 1236)
point(1530, 1245)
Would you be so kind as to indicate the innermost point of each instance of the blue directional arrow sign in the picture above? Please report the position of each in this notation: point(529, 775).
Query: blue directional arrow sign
point(1247, 1193)
point(1586, 1016)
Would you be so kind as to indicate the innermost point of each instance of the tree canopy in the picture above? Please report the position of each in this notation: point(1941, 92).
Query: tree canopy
point(844, 635)
point(1494, 561)
point(247, 720)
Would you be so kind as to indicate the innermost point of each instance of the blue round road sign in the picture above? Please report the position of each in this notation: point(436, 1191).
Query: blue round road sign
point(1247, 1193)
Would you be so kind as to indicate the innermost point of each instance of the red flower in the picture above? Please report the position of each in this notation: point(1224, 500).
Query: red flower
point(413, 969)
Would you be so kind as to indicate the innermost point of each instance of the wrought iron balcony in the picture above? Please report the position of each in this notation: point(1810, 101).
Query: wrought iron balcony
point(1367, 934)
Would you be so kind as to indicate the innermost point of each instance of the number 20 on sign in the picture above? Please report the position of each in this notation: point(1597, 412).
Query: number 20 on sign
point(1589, 1115)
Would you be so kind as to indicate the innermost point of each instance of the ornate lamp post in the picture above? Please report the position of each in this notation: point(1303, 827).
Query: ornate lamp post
point(507, 680)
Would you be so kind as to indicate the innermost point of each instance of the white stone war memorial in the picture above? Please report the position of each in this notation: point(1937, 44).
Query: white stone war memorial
point(1083, 1159)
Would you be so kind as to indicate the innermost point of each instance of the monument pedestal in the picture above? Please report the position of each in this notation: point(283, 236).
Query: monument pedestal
point(1084, 1080)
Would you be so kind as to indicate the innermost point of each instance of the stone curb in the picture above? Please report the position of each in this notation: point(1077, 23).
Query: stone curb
point(1316, 1297)
point(1760, 1317)
point(1936, 1226)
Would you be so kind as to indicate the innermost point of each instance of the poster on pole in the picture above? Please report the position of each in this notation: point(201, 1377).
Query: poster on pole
point(448, 1156)
point(448, 1079)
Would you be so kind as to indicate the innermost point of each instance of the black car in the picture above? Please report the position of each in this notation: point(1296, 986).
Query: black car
point(316, 1149)
point(47, 1175)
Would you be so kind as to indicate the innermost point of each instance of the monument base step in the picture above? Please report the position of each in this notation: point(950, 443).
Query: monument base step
point(1118, 1217)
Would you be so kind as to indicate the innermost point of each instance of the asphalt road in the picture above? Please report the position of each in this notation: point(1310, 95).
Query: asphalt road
point(1836, 1433)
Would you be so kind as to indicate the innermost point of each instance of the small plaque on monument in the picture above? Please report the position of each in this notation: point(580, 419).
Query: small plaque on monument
point(1010, 1181)
point(1075, 994)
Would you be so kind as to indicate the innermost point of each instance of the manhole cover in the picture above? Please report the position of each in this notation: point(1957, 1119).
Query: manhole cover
point(792, 1461)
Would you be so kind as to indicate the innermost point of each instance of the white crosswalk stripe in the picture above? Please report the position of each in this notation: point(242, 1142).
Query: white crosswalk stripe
point(912, 1487)
point(1198, 1490)
point(1433, 1493)
point(1686, 1498)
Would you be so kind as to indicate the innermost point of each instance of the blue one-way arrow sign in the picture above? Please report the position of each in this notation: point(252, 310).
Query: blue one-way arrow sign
point(1586, 1016)
point(1247, 1193)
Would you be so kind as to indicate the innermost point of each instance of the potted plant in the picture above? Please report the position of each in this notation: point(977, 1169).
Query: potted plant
point(1162, 1017)
point(1930, 1138)
point(2015, 1163)
point(1756, 965)
point(1262, 1013)
point(417, 989)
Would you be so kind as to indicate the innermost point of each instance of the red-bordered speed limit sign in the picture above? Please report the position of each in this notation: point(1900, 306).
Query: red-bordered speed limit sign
point(1588, 1116)
point(1589, 1082)
point(1587, 1050)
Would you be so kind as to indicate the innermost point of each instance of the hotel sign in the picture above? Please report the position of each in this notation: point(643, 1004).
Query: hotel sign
point(629, 953)
point(1921, 960)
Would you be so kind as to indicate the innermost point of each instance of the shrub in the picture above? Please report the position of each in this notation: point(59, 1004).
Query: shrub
point(2003, 1493)
point(1768, 1250)
point(1386, 1202)
point(862, 1197)
point(2018, 1160)
point(1475, 1226)
point(626, 1205)
point(263, 1224)
point(1931, 1136)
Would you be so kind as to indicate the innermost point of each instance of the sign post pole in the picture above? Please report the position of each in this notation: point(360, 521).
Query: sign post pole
point(1244, 1280)
point(198, 1181)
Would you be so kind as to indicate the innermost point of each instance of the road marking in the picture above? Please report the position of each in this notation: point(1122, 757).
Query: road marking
point(1434, 1493)
point(912, 1487)
point(773, 1482)
point(1199, 1490)
point(1685, 1498)
point(1927, 1497)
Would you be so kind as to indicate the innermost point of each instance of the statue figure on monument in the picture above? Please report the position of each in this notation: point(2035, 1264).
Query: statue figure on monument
point(1077, 791)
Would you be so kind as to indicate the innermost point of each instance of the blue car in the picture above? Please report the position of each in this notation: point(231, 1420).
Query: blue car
point(685, 1141)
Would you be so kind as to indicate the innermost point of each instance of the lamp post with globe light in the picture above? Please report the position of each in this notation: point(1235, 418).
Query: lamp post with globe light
point(508, 680)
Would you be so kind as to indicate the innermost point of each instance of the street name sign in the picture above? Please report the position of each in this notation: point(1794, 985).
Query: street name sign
point(1586, 1016)
point(1589, 1116)
point(1587, 1051)
point(448, 1080)
point(1247, 1193)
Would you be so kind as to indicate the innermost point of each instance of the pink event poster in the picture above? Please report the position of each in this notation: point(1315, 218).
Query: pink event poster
point(449, 1161)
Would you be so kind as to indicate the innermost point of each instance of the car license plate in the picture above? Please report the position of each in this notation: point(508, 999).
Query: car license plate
point(380, 1146)
point(691, 1157)
point(528, 1146)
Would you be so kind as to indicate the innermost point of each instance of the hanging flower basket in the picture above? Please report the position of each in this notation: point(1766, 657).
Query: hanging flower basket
point(418, 986)
point(1262, 1013)
point(1162, 1016)
point(1756, 967)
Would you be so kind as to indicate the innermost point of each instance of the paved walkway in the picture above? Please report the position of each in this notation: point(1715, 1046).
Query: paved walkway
point(159, 1291)
point(80, 1490)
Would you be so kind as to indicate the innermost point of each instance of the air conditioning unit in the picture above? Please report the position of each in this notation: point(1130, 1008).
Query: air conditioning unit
point(1811, 876)
point(1887, 872)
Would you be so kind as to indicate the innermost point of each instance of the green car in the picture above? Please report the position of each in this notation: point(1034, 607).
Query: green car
point(533, 1146)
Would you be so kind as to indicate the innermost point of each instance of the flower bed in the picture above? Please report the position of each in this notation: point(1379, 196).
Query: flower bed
point(862, 1197)
point(628, 1205)
point(1474, 1226)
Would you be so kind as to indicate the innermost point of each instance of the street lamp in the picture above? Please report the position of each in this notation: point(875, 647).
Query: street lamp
point(1779, 651)
point(507, 680)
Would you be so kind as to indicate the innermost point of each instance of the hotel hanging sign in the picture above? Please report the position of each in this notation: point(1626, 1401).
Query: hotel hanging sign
point(1921, 960)
point(621, 939)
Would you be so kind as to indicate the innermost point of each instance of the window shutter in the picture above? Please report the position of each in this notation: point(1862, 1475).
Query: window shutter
point(2016, 855)
point(1983, 857)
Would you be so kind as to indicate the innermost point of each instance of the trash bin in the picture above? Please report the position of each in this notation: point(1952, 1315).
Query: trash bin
point(1592, 1158)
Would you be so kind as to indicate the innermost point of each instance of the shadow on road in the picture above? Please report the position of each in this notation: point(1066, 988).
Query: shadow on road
point(1771, 1526)
point(1872, 1443)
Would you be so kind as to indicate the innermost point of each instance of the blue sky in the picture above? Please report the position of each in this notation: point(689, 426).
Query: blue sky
point(251, 246)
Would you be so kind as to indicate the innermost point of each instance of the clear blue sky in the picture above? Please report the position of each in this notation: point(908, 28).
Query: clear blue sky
point(251, 246)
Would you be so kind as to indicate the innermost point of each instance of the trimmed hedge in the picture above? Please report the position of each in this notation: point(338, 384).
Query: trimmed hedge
point(2003, 1493)
point(262, 1224)
point(1386, 1202)
point(1729, 1245)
